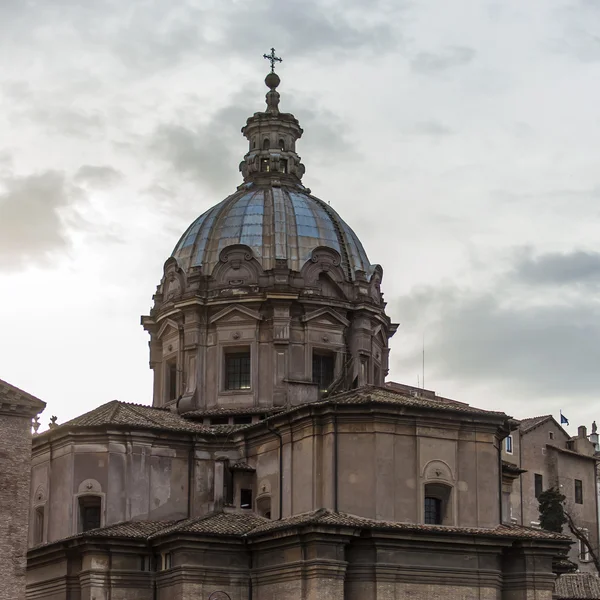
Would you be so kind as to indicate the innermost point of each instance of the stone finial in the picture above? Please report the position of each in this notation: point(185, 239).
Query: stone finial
point(52, 423)
point(36, 424)
point(594, 427)
point(272, 81)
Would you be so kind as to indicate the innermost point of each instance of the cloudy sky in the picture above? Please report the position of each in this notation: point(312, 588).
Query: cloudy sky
point(460, 140)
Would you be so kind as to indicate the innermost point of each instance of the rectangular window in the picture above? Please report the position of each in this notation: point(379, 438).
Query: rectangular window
point(539, 485)
point(167, 561)
point(283, 165)
point(584, 552)
point(219, 420)
point(551, 435)
point(578, 491)
point(228, 486)
point(237, 371)
point(90, 510)
point(509, 445)
point(245, 498)
point(433, 511)
point(323, 368)
point(172, 381)
point(264, 165)
point(242, 420)
point(38, 525)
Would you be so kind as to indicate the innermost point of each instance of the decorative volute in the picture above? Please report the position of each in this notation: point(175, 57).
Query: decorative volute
point(272, 139)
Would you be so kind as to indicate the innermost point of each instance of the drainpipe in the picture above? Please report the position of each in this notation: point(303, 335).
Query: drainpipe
point(521, 475)
point(250, 566)
point(500, 477)
point(335, 458)
point(191, 464)
point(275, 432)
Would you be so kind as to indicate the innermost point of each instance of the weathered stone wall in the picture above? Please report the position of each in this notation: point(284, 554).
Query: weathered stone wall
point(15, 456)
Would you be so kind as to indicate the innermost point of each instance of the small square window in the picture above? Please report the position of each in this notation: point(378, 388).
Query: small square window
point(578, 491)
point(237, 371)
point(245, 498)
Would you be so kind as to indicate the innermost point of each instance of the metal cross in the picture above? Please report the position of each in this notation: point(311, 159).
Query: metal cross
point(272, 59)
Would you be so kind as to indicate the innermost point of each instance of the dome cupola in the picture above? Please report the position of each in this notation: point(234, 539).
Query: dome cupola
point(268, 298)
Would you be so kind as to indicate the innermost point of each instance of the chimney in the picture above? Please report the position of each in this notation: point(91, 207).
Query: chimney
point(582, 432)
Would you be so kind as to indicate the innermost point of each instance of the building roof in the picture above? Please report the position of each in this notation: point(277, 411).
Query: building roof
point(217, 523)
point(18, 401)
point(277, 223)
point(226, 411)
point(577, 586)
point(122, 414)
point(385, 395)
point(248, 525)
point(328, 517)
point(532, 422)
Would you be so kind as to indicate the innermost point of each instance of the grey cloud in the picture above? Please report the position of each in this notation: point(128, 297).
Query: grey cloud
point(68, 121)
point(549, 351)
point(554, 268)
point(35, 214)
point(98, 176)
point(455, 56)
point(432, 128)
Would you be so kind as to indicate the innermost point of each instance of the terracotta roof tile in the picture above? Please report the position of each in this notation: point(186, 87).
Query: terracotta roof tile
point(327, 517)
point(123, 414)
point(532, 422)
point(370, 394)
point(577, 586)
point(250, 524)
point(219, 523)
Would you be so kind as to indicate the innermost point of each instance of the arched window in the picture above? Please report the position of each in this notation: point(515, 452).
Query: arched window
point(281, 144)
point(266, 144)
point(437, 504)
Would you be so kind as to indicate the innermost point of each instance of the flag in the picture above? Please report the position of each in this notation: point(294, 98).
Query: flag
point(563, 419)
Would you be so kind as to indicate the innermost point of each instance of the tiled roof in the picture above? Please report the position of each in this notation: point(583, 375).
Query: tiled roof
point(528, 424)
point(512, 468)
point(242, 466)
point(237, 524)
point(371, 394)
point(123, 414)
point(577, 586)
point(218, 523)
point(11, 394)
point(328, 517)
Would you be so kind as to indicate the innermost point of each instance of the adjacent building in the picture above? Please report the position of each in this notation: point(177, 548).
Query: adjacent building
point(17, 409)
point(539, 454)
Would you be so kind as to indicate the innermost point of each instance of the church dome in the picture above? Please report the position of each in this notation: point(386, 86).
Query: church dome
point(277, 223)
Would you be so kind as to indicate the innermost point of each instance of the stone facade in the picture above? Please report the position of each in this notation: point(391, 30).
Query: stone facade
point(275, 462)
point(17, 409)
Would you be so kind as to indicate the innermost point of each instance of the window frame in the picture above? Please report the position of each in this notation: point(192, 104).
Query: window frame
point(230, 354)
point(578, 491)
point(437, 509)
point(508, 444)
point(321, 354)
point(538, 478)
point(248, 492)
point(98, 503)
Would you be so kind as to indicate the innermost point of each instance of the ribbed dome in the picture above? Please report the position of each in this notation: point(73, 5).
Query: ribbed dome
point(277, 223)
